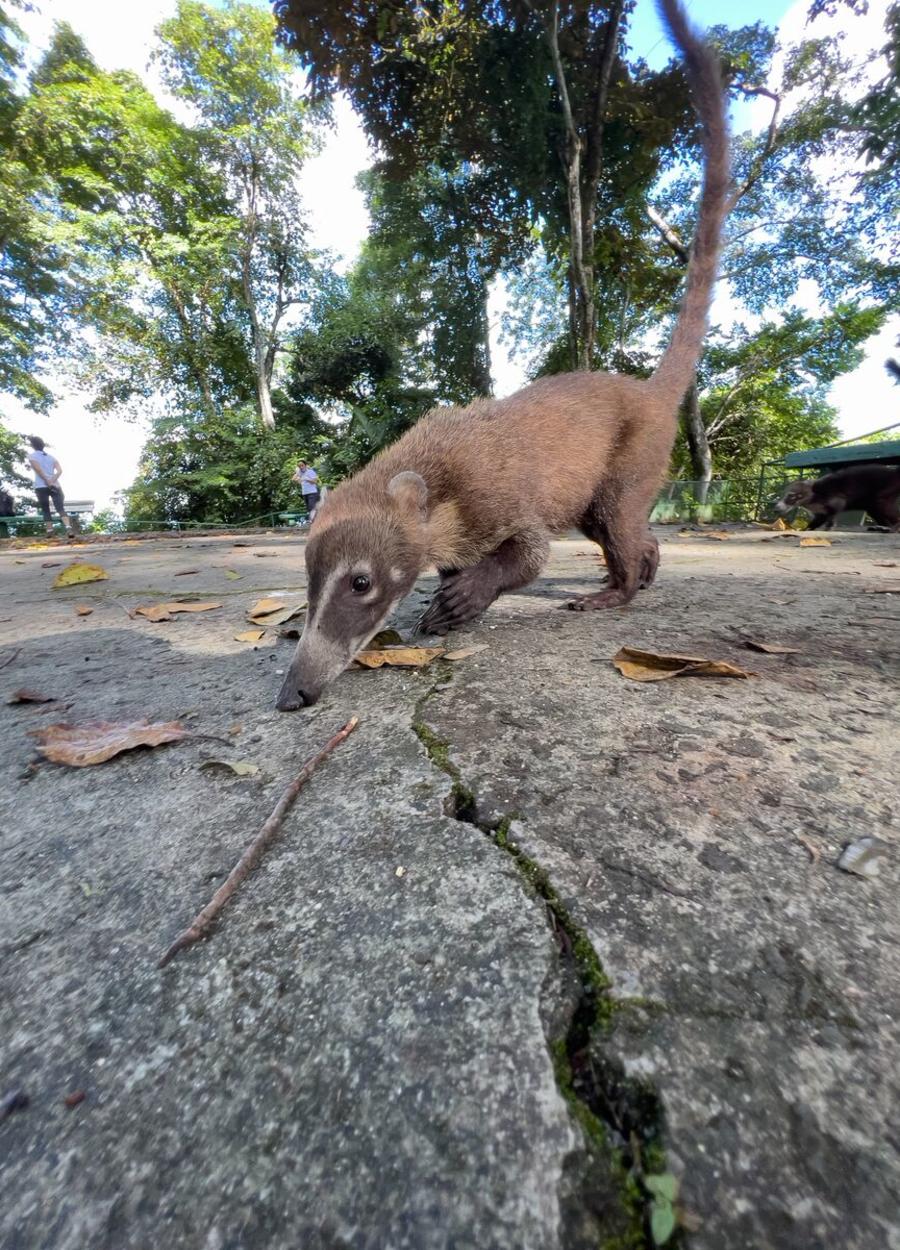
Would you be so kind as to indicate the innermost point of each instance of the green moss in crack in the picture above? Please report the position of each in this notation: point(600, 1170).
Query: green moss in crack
point(436, 749)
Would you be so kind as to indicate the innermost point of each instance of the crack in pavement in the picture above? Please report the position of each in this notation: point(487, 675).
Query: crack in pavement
point(621, 1117)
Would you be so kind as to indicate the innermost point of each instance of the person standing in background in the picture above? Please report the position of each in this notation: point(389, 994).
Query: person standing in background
point(47, 472)
point(308, 480)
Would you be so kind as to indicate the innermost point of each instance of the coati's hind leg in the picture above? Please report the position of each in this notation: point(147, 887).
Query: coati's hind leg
point(593, 526)
point(619, 522)
point(465, 593)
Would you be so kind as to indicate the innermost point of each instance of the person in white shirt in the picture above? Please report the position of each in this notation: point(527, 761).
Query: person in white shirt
point(47, 472)
point(308, 480)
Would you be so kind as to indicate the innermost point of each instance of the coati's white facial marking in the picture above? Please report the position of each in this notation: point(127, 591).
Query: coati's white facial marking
point(397, 575)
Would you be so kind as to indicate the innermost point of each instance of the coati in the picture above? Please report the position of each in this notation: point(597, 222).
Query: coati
point(873, 488)
point(478, 491)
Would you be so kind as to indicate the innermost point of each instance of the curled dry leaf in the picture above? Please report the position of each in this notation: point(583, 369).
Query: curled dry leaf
point(249, 635)
point(650, 666)
point(50, 564)
point(885, 564)
point(399, 657)
point(30, 696)
point(463, 653)
point(165, 611)
point(97, 741)
point(241, 768)
point(187, 573)
point(815, 541)
point(83, 610)
point(770, 648)
point(274, 611)
point(78, 572)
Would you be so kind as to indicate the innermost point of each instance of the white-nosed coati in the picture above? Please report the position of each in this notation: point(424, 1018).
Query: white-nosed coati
point(873, 488)
point(478, 491)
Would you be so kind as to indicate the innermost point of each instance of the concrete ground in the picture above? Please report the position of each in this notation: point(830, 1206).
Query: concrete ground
point(533, 934)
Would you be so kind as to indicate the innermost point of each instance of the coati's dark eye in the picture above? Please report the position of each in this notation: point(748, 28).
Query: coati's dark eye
point(360, 585)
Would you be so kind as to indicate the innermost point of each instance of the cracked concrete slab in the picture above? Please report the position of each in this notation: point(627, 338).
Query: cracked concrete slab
point(357, 1058)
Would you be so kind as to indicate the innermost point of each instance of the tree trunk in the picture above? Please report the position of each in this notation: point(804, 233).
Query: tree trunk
point(264, 395)
point(698, 443)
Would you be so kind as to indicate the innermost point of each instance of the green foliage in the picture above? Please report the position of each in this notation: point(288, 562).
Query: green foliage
point(12, 459)
point(219, 468)
point(764, 391)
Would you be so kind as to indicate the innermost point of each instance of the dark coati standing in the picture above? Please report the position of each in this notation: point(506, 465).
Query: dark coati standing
point(873, 488)
point(478, 491)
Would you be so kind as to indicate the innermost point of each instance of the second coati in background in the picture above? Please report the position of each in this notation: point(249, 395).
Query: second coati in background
point(478, 491)
point(873, 488)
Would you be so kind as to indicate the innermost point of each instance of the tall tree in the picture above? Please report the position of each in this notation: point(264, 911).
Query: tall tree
point(537, 95)
point(255, 131)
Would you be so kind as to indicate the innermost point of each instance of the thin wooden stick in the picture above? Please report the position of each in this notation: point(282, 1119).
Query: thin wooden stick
point(10, 658)
point(202, 922)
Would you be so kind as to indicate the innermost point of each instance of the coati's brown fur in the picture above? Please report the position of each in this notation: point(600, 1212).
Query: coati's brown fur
point(478, 491)
point(873, 488)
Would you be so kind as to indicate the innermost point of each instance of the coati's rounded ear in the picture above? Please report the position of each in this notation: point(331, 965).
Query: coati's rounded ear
point(410, 493)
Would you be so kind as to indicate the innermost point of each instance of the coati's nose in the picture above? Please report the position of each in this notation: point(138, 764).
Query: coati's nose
point(290, 698)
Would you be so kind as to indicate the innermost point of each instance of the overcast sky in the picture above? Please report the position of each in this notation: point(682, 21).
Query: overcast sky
point(100, 456)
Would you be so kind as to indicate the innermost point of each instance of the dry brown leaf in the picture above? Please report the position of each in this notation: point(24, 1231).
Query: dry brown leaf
point(262, 555)
point(50, 564)
point(83, 610)
point(779, 524)
point(241, 542)
point(464, 652)
point(770, 648)
point(249, 635)
point(399, 657)
point(96, 741)
point(30, 696)
point(78, 572)
point(273, 611)
point(719, 535)
point(165, 611)
point(650, 666)
point(815, 541)
point(187, 573)
point(885, 564)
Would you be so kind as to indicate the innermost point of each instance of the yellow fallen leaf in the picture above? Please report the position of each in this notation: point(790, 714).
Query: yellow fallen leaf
point(273, 611)
point(399, 657)
point(779, 524)
point(83, 610)
point(78, 572)
point(165, 611)
point(770, 648)
point(814, 541)
point(96, 741)
point(650, 666)
point(463, 653)
point(241, 768)
point(232, 576)
point(249, 635)
point(719, 535)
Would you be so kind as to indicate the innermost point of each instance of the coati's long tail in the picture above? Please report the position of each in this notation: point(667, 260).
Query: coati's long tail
point(675, 371)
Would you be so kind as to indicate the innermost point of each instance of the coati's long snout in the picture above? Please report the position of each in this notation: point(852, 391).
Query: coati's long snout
point(358, 570)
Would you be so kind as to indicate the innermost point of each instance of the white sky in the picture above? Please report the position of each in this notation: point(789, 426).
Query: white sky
point(100, 456)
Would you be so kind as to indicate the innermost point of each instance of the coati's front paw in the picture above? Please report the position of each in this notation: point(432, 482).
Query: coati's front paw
point(462, 596)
